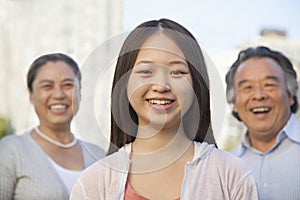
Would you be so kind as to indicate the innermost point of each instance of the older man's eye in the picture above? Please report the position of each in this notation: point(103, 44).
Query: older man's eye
point(246, 88)
point(269, 85)
point(68, 85)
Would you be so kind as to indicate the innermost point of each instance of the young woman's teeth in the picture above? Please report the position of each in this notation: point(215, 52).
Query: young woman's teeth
point(58, 107)
point(160, 102)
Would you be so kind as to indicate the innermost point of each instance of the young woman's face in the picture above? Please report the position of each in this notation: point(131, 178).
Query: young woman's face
point(160, 84)
point(55, 94)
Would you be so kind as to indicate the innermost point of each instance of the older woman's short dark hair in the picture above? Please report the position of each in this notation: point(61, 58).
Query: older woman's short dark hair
point(54, 57)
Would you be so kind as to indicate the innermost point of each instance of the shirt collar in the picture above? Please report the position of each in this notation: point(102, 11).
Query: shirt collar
point(290, 130)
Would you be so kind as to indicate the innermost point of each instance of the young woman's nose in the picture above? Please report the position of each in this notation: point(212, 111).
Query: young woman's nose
point(160, 87)
point(161, 83)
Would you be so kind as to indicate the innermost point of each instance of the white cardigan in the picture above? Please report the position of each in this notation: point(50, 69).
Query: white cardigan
point(26, 172)
point(213, 174)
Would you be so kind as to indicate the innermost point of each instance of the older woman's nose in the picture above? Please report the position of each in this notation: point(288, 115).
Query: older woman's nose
point(59, 92)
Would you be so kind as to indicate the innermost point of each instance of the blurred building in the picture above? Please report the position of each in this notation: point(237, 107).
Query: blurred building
point(233, 131)
point(30, 28)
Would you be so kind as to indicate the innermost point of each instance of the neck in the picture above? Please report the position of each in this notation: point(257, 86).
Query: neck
point(159, 150)
point(264, 140)
point(59, 133)
point(262, 145)
point(150, 139)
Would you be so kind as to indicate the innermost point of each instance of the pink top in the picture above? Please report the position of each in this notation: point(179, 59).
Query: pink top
point(130, 194)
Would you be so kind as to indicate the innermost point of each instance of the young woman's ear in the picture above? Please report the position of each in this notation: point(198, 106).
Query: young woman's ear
point(30, 96)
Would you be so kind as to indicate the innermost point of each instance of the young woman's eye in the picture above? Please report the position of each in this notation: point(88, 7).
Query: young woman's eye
point(177, 73)
point(144, 72)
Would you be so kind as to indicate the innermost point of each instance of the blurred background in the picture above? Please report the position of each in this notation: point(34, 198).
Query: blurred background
point(94, 29)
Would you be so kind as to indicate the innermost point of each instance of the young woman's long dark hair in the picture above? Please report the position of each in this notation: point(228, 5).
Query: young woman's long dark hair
point(124, 120)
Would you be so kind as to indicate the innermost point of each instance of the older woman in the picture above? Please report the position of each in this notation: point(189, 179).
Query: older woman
point(44, 163)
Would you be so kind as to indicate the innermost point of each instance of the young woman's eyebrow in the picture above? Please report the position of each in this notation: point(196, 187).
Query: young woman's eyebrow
point(144, 62)
point(178, 62)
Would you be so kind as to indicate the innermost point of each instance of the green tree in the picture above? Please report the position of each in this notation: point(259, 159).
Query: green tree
point(4, 127)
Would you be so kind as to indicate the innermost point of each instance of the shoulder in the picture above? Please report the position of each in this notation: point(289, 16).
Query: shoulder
point(91, 183)
point(221, 169)
point(106, 172)
point(96, 181)
point(235, 174)
point(14, 142)
point(218, 158)
point(107, 166)
point(12, 149)
point(222, 163)
point(92, 149)
point(238, 150)
point(292, 129)
point(229, 160)
point(230, 167)
point(14, 138)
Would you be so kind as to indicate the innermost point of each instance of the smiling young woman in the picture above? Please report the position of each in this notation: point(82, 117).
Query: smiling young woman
point(160, 119)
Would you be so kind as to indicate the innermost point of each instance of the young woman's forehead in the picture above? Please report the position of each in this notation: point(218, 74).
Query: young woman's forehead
point(162, 42)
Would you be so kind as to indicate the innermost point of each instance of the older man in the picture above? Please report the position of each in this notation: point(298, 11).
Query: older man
point(262, 86)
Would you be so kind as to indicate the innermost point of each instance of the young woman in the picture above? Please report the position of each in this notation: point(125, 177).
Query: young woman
point(44, 162)
point(160, 119)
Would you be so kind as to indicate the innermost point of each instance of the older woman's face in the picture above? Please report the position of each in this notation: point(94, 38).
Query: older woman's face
point(55, 94)
point(160, 84)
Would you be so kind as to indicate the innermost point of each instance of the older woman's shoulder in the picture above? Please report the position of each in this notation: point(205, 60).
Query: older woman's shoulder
point(15, 140)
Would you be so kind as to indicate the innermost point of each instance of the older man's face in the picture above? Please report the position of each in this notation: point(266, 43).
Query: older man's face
point(261, 97)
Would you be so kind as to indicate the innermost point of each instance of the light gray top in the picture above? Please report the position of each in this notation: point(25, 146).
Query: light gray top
point(26, 172)
point(212, 174)
point(276, 171)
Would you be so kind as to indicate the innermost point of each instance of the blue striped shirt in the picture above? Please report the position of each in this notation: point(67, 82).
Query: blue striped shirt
point(277, 171)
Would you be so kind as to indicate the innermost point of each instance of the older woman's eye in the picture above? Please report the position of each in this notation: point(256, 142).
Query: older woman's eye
point(46, 86)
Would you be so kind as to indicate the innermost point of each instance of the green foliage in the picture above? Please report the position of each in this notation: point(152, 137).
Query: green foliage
point(231, 143)
point(4, 127)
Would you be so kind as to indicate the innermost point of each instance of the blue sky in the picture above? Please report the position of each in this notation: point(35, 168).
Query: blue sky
point(218, 25)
